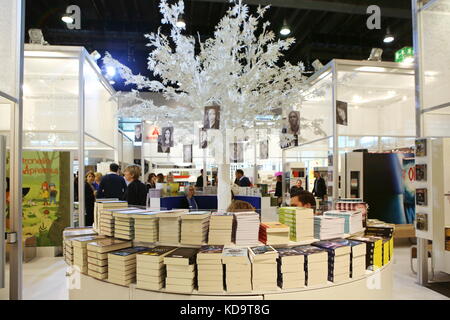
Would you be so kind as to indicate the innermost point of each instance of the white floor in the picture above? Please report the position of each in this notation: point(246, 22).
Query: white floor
point(44, 279)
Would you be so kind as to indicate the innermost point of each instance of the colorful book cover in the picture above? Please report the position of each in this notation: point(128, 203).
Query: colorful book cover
point(129, 251)
point(262, 250)
point(308, 249)
point(235, 252)
point(287, 252)
point(211, 249)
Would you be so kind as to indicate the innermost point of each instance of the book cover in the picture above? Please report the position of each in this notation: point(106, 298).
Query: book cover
point(380, 230)
point(129, 251)
point(263, 250)
point(235, 252)
point(274, 227)
point(210, 249)
point(421, 147)
point(421, 172)
point(158, 251)
point(421, 197)
point(308, 249)
point(184, 253)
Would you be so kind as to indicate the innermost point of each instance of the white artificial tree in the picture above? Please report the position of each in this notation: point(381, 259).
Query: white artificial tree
point(238, 68)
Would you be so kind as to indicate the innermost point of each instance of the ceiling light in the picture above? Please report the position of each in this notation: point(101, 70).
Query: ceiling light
point(285, 30)
point(67, 19)
point(110, 71)
point(388, 38)
point(181, 23)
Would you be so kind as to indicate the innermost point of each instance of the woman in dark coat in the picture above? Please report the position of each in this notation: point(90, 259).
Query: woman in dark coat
point(136, 193)
point(89, 198)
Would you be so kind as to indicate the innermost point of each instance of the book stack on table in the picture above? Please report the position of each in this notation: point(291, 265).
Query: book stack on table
point(124, 224)
point(181, 272)
point(71, 233)
point(170, 226)
point(80, 256)
point(264, 268)
point(210, 275)
point(145, 226)
point(150, 267)
point(338, 259)
point(300, 222)
point(238, 269)
point(374, 251)
point(274, 233)
point(328, 227)
point(291, 269)
point(220, 229)
point(194, 227)
point(357, 256)
point(122, 265)
point(353, 220)
point(316, 264)
point(97, 252)
point(103, 219)
point(246, 228)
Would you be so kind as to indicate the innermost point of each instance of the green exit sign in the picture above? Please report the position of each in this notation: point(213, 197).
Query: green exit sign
point(405, 54)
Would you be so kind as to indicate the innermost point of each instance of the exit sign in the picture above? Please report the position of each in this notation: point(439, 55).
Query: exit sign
point(405, 54)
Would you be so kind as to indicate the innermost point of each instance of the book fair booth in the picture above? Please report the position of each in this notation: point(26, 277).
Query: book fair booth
point(376, 132)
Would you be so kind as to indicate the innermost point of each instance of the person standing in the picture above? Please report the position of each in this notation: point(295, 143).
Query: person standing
point(320, 187)
point(189, 201)
point(151, 181)
point(241, 180)
point(199, 183)
point(98, 180)
point(89, 198)
point(279, 189)
point(136, 193)
point(297, 188)
point(160, 178)
point(112, 185)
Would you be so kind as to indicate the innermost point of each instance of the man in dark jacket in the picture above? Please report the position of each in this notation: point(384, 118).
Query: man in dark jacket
point(199, 183)
point(112, 185)
point(241, 180)
point(189, 201)
point(320, 187)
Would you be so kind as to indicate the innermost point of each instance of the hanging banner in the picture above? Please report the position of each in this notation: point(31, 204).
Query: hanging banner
point(46, 196)
point(151, 133)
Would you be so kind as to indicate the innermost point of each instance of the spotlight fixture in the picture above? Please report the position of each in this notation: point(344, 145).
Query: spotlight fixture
point(389, 37)
point(67, 19)
point(285, 30)
point(375, 54)
point(110, 71)
point(95, 55)
point(181, 23)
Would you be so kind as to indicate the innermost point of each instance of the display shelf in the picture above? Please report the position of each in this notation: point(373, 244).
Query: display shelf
point(373, 285)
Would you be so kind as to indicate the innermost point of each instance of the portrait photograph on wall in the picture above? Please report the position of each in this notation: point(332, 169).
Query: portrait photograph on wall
point(212, 117)
point(138, 133)
point(165, 140)
point(187, 153)
point(203, 138)
point(236, 152)
point(342, 113)
point(264, 150)
point(291, 131)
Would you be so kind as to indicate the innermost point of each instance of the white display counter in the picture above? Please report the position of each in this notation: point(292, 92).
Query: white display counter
point(375, 285)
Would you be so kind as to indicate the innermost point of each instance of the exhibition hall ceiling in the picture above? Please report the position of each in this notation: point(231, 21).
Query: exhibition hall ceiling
point(324, 29)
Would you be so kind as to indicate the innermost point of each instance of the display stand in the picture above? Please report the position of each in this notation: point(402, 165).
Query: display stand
point(430, 20)
point(375, 285)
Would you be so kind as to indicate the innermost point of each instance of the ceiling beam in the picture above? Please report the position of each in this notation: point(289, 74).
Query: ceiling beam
point(321, 5)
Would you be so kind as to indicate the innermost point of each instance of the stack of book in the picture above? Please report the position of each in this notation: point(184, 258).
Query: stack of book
point(124, 224)
point(122, 265)
point(273, 233)
point(246, 228)
point(316, 264)
point(357, 256)
point(145, 226)
point(150, 268)
point(210, 269)
point(354, 205)
point(386, 231)
point(181, 272)
point(220, 229)
point(71, 233)
point(194, 227)
point(170, 226)
point(291, 268)
point(97, 252)
point(80, 257)
point(102, 219)
point(374, 251)
point(238, 269)
point(327, 227)
point(107, 220)
point(338, 259)
point(264, 268)
point(300, 222)
point(353, 221)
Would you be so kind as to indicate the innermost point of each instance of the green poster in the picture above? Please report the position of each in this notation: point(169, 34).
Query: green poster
point(46, 201)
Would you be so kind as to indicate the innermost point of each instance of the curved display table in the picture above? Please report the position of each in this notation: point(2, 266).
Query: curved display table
point(375, 285)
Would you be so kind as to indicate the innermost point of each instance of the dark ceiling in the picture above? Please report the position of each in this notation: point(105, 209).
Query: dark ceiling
point(323, 29)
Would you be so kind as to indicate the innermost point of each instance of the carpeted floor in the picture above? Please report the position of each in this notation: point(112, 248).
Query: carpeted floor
point(440, 287)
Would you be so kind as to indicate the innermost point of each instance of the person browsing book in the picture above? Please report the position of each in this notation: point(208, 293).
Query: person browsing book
point(241, 180)
point(136, 193)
